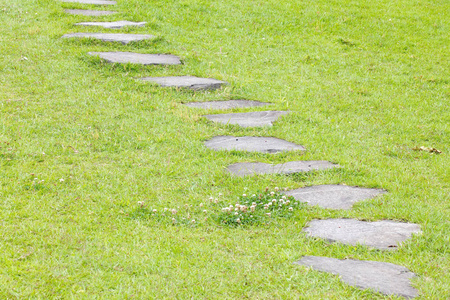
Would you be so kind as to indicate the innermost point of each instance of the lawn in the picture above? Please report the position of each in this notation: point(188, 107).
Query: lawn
point(87, 152)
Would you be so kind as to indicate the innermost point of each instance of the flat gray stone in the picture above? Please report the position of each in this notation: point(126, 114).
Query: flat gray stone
point(381, 234)
point(252, 143)
point(191, 82)
point(243, 169)
point(333, 196)
point(97, 2)
point(385, 278)
point(112, 25)
point(86, 12)
point(123, 38)
point(138, 58)
point(250, 119)
point(229, 104)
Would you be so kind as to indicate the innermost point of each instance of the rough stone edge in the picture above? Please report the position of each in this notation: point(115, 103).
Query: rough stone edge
point(262, 104)
point(355, 285)
point(335, 166)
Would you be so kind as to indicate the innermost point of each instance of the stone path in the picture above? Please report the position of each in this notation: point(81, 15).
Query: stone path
point(385, 235)
point(251, 143)
point(190, 82)
point(243, 169)
point(123, 38)
point(96, 2)
point(138, 58)
point(333, 196)
point(112, 25)
point(382, 277)
point(386, 278)
point(250, 119)
point(86, 12)
point(228, 104)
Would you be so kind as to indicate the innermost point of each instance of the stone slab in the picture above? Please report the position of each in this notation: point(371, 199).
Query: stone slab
point(243, 169)
point(333, 196)
point(138, 58)
point(249, 119)
point(96, 2)
point(228, 104)
point(86, 12)
point(191, 82)
point(385, 278)
point(251, 143)
point(381, 234)
point(123, 38)
point(112, 25)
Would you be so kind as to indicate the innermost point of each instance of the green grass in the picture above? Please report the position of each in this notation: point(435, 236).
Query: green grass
point(365, 81)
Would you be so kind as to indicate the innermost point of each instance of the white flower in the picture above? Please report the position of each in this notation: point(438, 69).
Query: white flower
point(244, 195)
point(284, 197)
point(277, 189)
point(268, 214)
point(173, 220)
point(254, 203)
point(291, 209)
point(61, 180)
point(154, 210)
point(173, 211)
point(205, 211)
point(140, 203)
point(274, 200)
point(238, 220)
point(201, 204)
point(193, 221)
point(211, 198)
point(220, 194)
point(272, 193)
point(287, 202)
point(236, 213)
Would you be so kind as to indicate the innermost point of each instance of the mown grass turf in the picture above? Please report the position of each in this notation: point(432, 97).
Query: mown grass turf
point(82, 141)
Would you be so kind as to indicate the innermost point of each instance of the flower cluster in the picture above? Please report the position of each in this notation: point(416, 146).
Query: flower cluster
point(258, 208)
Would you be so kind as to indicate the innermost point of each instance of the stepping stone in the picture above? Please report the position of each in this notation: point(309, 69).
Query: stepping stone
point(112, 25)
point(381, 234)
point(191, 82)
point(97, 2)
point(123, 38)
point(333, 196)
point(385, 278)
point(250, 119)
point(138, 58)
point(85, 12)
point(252, 143)
point(229, 104)
point(243, 169)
